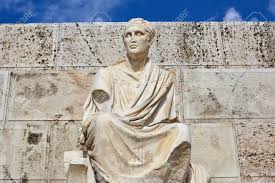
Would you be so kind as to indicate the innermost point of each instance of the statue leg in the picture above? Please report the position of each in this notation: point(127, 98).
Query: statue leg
point(179, 164)
point(198, 174)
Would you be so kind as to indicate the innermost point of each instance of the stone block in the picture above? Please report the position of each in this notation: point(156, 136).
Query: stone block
point(232, 93)
point(4, 77)
point(251, 43)
point(63, 137)
point(3, 53)
point(89, 44)
point(23, 151)
point(225, 180)
point(259, 180)
point(31, 45)
point(197, 43)
point(57, 181)
point(188, 43)
point(256, 147)
point(49, 95)
point(213, 147)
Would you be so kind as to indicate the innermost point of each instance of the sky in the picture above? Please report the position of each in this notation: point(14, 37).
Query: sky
point(38, 11)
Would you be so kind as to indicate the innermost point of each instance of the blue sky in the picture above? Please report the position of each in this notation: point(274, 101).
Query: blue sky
point(34, 11)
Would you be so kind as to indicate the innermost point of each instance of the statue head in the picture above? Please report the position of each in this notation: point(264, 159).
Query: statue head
point(138, 36)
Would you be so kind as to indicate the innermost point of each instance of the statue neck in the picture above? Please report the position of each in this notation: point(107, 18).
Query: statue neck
point(136, 63)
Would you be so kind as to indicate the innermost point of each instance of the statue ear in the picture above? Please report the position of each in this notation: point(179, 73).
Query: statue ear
point(150, 41)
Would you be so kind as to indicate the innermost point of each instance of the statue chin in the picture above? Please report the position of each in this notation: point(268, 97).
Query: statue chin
point(138, 52)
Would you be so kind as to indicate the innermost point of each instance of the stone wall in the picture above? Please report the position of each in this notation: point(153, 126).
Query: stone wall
point(226, 93)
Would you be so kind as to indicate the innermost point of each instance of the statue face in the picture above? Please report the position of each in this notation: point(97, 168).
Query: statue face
point(136, 40)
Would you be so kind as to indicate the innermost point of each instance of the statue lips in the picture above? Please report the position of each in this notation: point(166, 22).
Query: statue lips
point(133, 46)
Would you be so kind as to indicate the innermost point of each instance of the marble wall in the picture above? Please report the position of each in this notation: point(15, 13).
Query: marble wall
point(226, 93)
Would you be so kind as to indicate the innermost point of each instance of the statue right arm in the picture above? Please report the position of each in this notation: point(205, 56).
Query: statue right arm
point(98, 100)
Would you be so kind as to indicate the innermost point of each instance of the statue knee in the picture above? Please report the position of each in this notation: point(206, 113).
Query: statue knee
point(184, 128)
point(99, 126)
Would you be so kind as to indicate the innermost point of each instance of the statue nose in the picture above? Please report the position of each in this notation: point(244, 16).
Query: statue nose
point(133, 40)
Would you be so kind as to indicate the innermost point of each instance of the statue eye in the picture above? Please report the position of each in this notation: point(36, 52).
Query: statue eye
point(139, 33)
point(128, 34)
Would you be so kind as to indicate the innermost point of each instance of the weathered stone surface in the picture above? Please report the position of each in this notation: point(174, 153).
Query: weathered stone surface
point(63, 137)
point(32, 45)
point(256, 142)
point(225, 180)
point(101, 44)
point(259, 180)
point(188, 44)
point(89, 44)
point(3, 54)
point(213, 147)
point(229, 93)
point(23, 151)
point(249, 43)
point(202, 43)
point(4, 76)
point(166, 36)
point(196, 43)
point(48, 95)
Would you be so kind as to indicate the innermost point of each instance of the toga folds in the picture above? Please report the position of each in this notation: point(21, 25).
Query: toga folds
point(131, 126)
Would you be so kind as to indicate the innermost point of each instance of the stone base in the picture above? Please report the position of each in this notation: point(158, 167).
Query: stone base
point(78, 168)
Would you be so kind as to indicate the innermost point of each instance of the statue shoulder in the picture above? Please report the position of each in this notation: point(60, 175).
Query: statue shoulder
point(107, 72)
point(113, 66)
point(102, 72)
point(117, 63)
point(172, 72)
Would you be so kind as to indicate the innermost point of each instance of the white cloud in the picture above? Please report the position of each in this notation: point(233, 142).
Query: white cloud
point(232, 15)
point(16, 5)
point(78, 10)
point(271, 6)
point(64, 10)
point(213, 18)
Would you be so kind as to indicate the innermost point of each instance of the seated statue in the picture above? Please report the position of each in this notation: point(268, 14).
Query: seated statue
point(130, 130)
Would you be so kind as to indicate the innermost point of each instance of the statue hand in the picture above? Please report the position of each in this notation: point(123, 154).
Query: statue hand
point(82, 142)
point(83, 131)
point(86, 123)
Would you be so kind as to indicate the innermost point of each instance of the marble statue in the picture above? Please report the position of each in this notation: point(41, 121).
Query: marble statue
point(131, 132)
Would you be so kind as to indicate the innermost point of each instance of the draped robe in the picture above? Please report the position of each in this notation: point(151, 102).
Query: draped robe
point(134, 136)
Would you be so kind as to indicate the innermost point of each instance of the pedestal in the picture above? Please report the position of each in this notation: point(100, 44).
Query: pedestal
point(77, 168)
